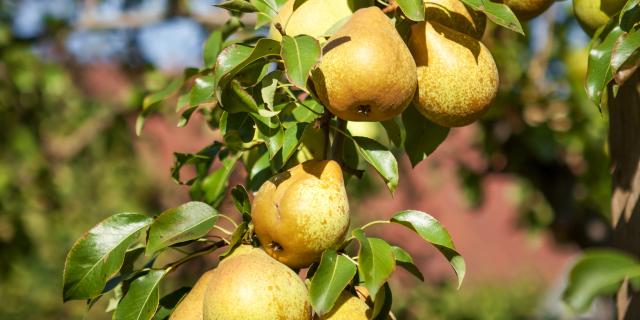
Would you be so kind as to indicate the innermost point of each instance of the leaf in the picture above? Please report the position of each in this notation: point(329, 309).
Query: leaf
point(413, 9)
point(201, 161)
point(422, 137)
point(230, 58)
point(215, 184)
point(624, 57)
point(260, 172)
point(267, 10)
point(186, 116)
point(202, 90)
point(169, 302)
point(599, 72)
point(333, 275)
point(404, 260)
point(380, 158)
point(375, 261)
point(292, 136)
point(598, 272)
point(99, 254)
point(270, 131)
point(394, 131)
point(382, 303)
point(142, 299)
point(212, 48)
point(433, 232)
point(357, 4)
point(300, 54)
point(241, 201)
point(189, 221)
point(235, 99)
point(237, 6)
point(499, 13)
point(629, 15)
point(269, 87)
point(236, 238)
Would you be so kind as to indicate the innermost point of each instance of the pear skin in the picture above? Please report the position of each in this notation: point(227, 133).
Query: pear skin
point(313, 17)
point(301, 212)
point(457, 76)
point(347, 307)
point(593, 14)
point(190, 308)
point(367, 72)
point(457, 16)
point(529, 9)
point(254, 286)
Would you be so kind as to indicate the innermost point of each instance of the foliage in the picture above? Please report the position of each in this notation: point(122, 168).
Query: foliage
point(256, 94)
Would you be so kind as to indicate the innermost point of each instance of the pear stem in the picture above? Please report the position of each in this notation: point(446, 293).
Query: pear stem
point(393, 5)
point(325, 125)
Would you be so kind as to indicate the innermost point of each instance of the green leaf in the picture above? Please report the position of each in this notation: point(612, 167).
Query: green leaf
point(202, 90)
point(237, 6)
point(236, 238)
point(404, 260)
point(235, 99)
point(236, 129)
point(142, 299)
point(229, 59)
point(300, 54)
point(394, 131)
point(215, 184)
point(186, 116)
point(375, 261)
point(212, 48)
point(598, 272)
point(189, 221)
point(201, 161)
point(169, 302)
point(333, 275)
point(599, 72)
point(260, 172)
point(629, 15)
point(433, 232)
point(357, 4)
point(270, 131)
point(625, 51)
point(422, 135)
point(267, 10)
point(292, 136)
point(382, 303)
point(499, 13)
point(380, 158)
point(99, 254)
point(240, 199)
point(413, 9)
point(269, 87)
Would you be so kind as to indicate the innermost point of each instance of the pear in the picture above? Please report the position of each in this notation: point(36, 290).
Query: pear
point(190, 308)
point(593, 14)
point(528, 9)
point(457, 16)
point(250, 285)
point(313, 17)
point(366, 73)
point(457, 76)
point(301, 212)
point(348, 307)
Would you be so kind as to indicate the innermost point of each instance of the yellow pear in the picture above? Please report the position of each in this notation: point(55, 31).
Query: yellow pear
point(313, 17)
point(366, 72)
point(529, 9)
point(593, 14)
point(190, 308)
point(457, 76)
point(301, 212)
point(457, 16)
point(253, 286)
point(347, 307)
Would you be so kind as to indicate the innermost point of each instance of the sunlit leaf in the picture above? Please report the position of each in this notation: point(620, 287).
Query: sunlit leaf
point(422, 135)
point(212, 48)
point(380, 158)
point(404, 260)
point(499, 13)
point(375, 261)
point(300, 54)
point(413, 9)
point(329, 280)
point(142, 299)
point(99, 254)
point(599, 72)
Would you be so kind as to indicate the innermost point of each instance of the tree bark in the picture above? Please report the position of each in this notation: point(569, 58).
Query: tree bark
point(624, 142)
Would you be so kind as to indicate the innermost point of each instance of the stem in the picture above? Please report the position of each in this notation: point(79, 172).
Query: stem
point(350, 259)
point(325, 125)
point(338, 141)
point(223, 230)
point(171, 266)
point(235, 225)
point(372, 223)
point(393, 5)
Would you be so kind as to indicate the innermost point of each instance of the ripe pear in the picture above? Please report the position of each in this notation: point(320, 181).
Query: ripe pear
point(528, 9)
point(347, 307)
point(301, 212)
point(253, 286)
point(457, 76)
point(190, 308)
point(313, 17)
point(457, 16)
point(593, 14)
point(366, 73)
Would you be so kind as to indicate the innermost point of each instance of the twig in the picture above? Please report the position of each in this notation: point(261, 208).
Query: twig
point(393, 6)
point(338, 141)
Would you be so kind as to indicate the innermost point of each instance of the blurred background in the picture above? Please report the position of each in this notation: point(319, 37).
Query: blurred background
point(522, 192)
